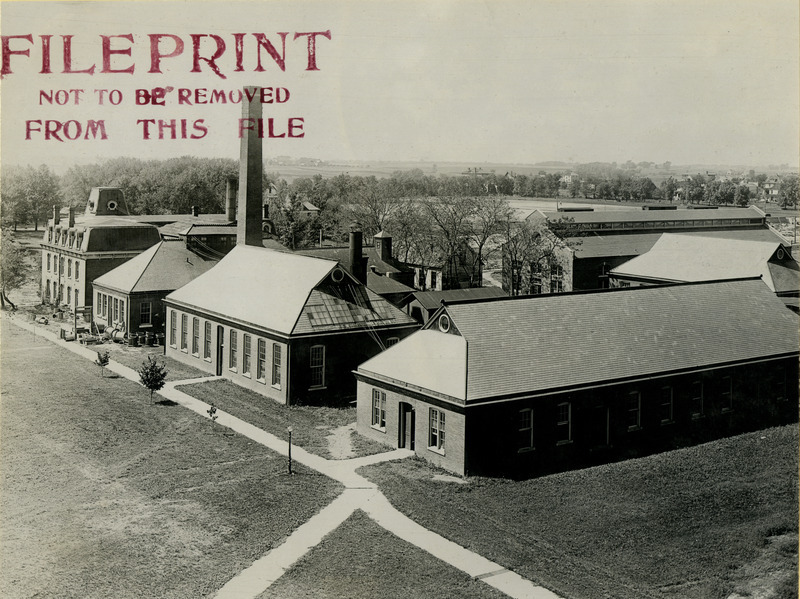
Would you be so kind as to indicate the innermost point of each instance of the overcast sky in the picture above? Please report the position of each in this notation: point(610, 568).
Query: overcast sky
point(690, 82)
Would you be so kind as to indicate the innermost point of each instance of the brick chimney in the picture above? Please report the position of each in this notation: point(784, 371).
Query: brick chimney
point(71, 217)
point(230, 199)
point(248, 211)
point(56, 215)
point(358, 264)
point(195, 210)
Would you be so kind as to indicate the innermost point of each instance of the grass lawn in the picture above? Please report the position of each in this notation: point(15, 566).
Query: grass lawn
point(103, 494)
point(310, 424)
point(362, 560)
point(700, 522)
point(133, 357)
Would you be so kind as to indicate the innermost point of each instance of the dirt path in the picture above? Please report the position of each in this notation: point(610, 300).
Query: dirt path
point(340, 442)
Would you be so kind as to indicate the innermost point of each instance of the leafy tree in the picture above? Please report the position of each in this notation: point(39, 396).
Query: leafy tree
point(13, 269)
point(29, 194)
point(668, 188)
point(788, 193)
point(102, 361)
point(741, 196)
point(152, 374)
point(488, 217)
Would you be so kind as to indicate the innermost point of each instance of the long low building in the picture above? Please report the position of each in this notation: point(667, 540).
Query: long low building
point(527, 385)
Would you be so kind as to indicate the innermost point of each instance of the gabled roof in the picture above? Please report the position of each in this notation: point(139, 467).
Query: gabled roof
point(530, 345)
point(342, 255)
point(166, 266)
point(285, 293)
point(430, 300)
point(384, 285)
point(688, 258)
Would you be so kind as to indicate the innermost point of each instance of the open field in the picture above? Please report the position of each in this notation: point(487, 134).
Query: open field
point(103, 494)
point(311, 424)
point(701, 522)
point(361, 560)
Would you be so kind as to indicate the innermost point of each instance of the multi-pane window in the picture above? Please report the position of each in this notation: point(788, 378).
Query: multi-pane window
point(173, 326)
point(261, 364)
point(145, 313)
point(61, 264)
point(392, 341)
point(433, 279)
point(726, 394)
point(77, 269)
point(634, 410)
point(276, 364)
point(556, 286)
point(696, 400)
point(121, 307)
point(207, 341)
point(317, 366)
point(379, 409)
point(233, 350)
point(116, 309)
point(564, 423)
point(195, 335)
point(69, 268)
point(99, 303)
point(525, 437)
point(69, 295)
point(48, 262)
point(184, 331)
point(436, 429)
point(665, 405)
point(246, 356)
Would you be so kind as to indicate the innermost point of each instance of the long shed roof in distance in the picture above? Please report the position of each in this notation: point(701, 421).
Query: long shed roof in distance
point(537, 344)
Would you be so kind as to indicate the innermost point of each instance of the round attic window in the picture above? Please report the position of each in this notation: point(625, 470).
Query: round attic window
point(112, 205)
point(444, 323)
point(780, 254)
point(337, 275)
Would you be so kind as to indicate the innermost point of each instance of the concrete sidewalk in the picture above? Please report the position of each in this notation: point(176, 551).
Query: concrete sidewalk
point(359, 493)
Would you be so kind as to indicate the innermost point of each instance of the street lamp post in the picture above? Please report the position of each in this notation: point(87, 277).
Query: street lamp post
point(289, 428)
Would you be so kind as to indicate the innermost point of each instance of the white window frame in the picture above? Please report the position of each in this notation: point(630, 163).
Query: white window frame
point(173, 328)
point(436, 430)
point(233, 350)
point(207, 341)
point(195, 336)
point(562, 425)
point(146, 313)
point(276, 365)
point(316, 366)
point(261, 361)
point(247, 348)
point(184, 332)
point(379, 410)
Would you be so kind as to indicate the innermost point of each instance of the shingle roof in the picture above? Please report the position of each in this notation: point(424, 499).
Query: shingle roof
point(383, 285)
point(166, 266)
point(276, 291)
point(534, 344)
point(342, 255)
point(696, 258)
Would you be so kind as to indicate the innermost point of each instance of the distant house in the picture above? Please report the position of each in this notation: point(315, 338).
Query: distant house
point(440, 272)
point(290, 327)
point(423, 304)
point(526, 385)
point(692, 258)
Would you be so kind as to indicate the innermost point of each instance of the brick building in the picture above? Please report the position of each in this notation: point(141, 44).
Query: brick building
point(528, 385)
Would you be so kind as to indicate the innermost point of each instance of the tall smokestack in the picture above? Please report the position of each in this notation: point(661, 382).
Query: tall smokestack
point(248, 212)
point(56, 215)
point(358, 264)
point(230, 199)
point(71, 217)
